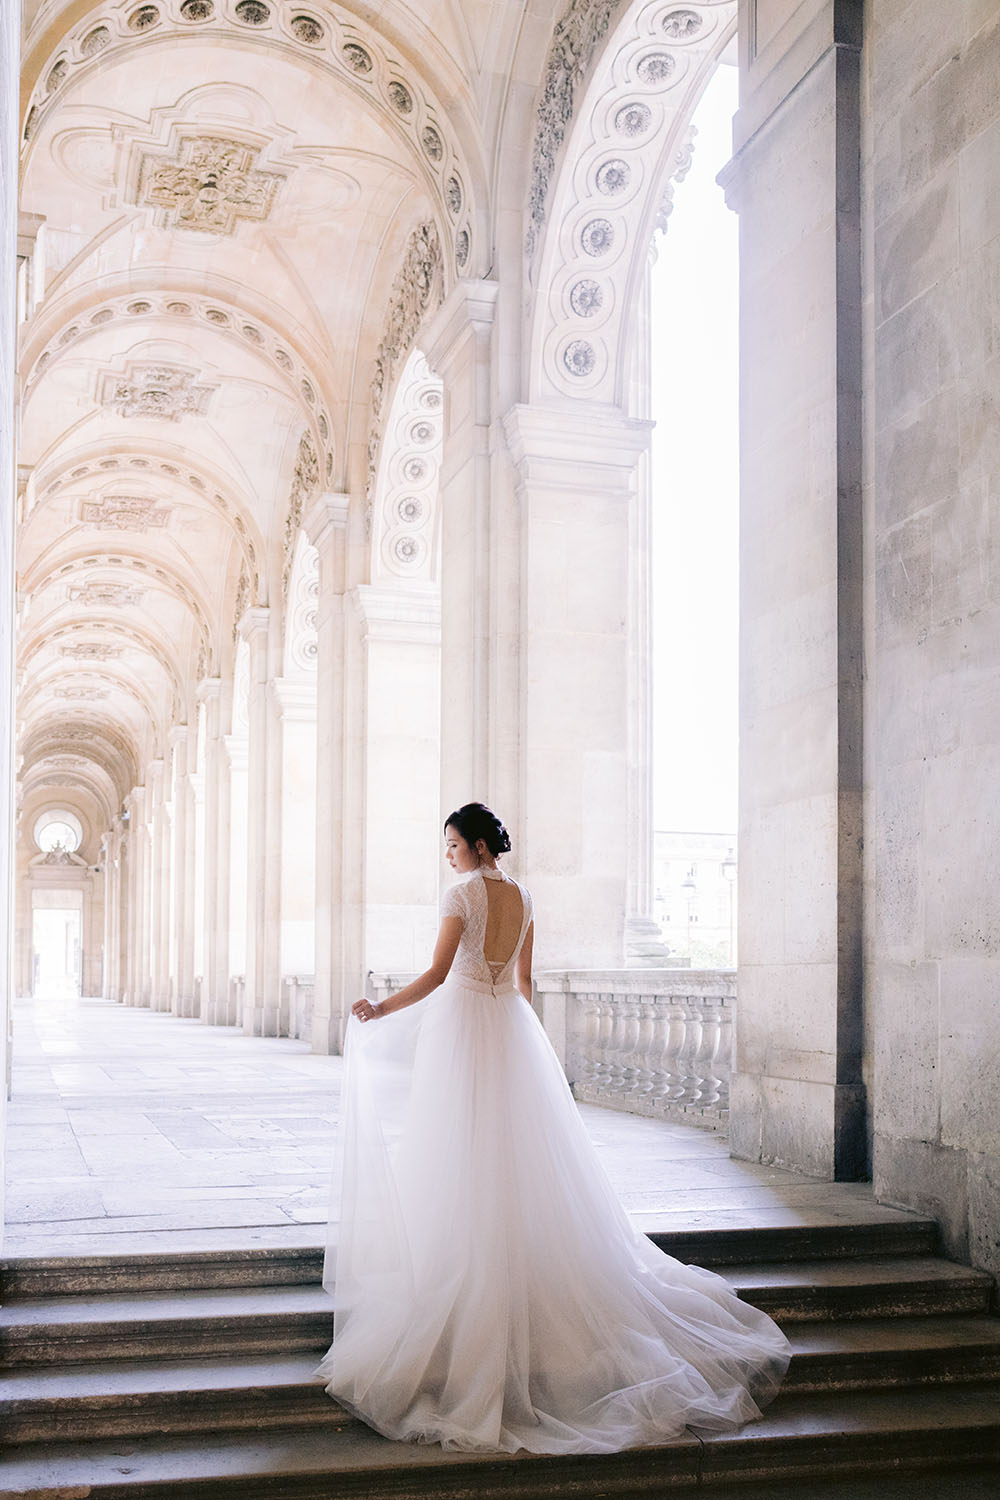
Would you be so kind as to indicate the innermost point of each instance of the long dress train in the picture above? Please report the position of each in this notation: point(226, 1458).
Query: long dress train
point(490, 1291)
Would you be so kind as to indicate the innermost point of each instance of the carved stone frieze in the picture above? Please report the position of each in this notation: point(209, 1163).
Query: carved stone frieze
point(575, 40)
point(305, 483)
point(242, 600)
point(418, 284)
point(210, 185)
point(84, 691)
point(166, 391)
point(124, 513)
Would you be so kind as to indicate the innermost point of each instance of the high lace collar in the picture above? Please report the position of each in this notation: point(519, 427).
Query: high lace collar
point(488, 874)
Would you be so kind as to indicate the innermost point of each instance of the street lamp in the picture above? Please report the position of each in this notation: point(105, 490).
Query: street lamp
point(729, 868)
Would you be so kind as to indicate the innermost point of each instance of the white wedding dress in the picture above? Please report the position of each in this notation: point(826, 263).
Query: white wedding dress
point(490, 1291)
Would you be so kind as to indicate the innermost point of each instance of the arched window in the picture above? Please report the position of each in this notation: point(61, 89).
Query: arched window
point(58, 829)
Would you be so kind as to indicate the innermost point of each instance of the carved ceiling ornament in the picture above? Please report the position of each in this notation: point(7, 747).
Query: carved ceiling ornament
point(305, 484)
point(211, 184)
point(624, 139)
point(418, 286)
point(97, 594)
point(91, 651)
point(339, 45)
point(155, 390)
point(124, 513)
point(82, 691)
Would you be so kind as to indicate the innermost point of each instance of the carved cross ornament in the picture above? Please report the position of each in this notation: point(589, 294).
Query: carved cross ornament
point(167, 391)
point(210, 184)
point(94, 594)
point(123, 513)
point(91, 651)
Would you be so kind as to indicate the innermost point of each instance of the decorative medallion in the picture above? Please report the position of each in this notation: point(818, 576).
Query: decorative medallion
point(432, 143)
point(124, 513)
point(136, 309)
point(462, 249)
point(251, 333)
point(104, 316)
point(84, 691)
point(212, 183)
point(217, 316)
point(197, 10)
point(143, 18)
point(57, 73)
point(453, 195)
point(166, 391)
point(400, 97)
point(69, 334)
point(410, 510)
point(358, 60)
point(681, 24)
point(422, 432)
point(406, 549)
point(656, 67)
point(307, 29)
point(95, 41)
point(579, 357)
point(613, 177)
point(253, 13)
point(597, 237)
point(282, 359)
point(633, 119)
point(179, 309)
point(586, 298)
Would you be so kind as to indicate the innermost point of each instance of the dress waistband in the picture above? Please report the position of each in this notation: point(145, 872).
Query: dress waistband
point(501, 987)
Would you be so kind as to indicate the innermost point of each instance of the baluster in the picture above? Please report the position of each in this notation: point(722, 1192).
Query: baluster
point(707, 1084)
point(688, 1081)
point(615, 1048)
point(630, 1058)
point(645, 1051)
point(673, 1030)
point(602, 1038)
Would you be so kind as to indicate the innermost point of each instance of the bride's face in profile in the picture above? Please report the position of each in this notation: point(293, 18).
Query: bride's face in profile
point(460, 855)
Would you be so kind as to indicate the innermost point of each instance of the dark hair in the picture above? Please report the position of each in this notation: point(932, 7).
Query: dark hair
point(474, 821)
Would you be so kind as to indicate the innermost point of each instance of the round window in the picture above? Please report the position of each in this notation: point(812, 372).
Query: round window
point(58, 829)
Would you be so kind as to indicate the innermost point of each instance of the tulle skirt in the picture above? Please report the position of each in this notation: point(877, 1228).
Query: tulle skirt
point(490, 1291)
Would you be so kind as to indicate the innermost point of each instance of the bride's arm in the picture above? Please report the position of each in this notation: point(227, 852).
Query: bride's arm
point(524, 963)
point(444, 956)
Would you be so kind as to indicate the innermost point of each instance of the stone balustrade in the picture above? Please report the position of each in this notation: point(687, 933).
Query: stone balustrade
point(296, 1009)
point(654, 1042)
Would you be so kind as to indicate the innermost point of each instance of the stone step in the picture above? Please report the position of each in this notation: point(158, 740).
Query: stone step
point(288, 1320)
point(130, 1398)
point(884, 1231)
point(800, 1436)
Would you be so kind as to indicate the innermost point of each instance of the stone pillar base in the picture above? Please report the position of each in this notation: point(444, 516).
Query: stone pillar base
point(814, 1128)
point(644, 945)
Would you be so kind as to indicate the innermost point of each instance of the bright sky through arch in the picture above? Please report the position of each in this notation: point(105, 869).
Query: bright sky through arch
point(695, 488)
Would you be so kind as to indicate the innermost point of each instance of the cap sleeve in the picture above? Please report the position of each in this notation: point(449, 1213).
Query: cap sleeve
point(453, 903)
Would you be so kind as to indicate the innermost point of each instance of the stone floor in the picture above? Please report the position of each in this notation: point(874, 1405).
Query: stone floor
point(167, 1133)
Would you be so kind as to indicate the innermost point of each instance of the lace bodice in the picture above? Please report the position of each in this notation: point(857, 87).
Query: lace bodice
point(469, 902)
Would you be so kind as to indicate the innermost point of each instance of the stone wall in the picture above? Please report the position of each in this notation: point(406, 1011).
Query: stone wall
point(933, 589)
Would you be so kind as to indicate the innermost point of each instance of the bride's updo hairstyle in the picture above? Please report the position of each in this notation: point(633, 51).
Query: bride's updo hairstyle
point(474, 821)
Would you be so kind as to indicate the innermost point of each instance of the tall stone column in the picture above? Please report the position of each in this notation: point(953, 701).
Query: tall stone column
point(798, 1097)
point(479, 562)
point(262, 997)
point(576, 476)
point(214, 910)
point(338, 957)
point(123, 913)
point(295, 710)
point(159, 890)
point(138, 927)
point(182, 873)
point(401, 664)
point(233, 851)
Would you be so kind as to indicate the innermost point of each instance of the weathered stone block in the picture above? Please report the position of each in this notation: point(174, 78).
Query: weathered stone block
point(929, 1178)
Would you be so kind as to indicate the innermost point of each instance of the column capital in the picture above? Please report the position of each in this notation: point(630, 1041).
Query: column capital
point(470, 305)
point(325, 517)
point(254, 623)
point(405, 612)
point(575, 446)
point(208, 688)
point(295, 701)
point(177, 734)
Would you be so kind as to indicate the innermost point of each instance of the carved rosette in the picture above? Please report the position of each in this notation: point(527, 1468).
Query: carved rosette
point(302, 641)
point(627, 137)
point(407, 488)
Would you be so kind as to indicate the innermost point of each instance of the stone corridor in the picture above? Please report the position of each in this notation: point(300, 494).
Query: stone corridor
point(165, 1133)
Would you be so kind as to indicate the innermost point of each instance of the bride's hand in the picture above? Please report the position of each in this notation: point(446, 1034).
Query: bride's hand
point(365, 1010)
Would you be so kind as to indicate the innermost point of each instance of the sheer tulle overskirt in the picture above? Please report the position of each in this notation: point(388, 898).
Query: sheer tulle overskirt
point(490, 1291)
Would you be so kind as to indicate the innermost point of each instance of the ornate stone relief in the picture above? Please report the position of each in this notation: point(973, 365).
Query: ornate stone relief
point(682, 166)
point(302, 642)
point(626, 132)
point(211, 184)
point(305, 483)
point(83, 691)
point(167, 391)
point(407, 488)
point(419, 284)
point(241, 602)
point(124, 513)
point(91, 651)
point(338, 43)
point(229, 321)
point(95, 594)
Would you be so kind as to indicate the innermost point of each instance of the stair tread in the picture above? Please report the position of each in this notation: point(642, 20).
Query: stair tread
point(355, 1449)
point(242, 1302)
point(108, 1378)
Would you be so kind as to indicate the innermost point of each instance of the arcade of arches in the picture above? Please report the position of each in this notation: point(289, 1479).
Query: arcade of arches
point(332, 499)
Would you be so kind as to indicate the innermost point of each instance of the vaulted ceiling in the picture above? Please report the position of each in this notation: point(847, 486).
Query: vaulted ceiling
point(216, 198)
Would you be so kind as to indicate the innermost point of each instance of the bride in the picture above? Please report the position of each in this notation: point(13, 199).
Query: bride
point(490, 1291)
